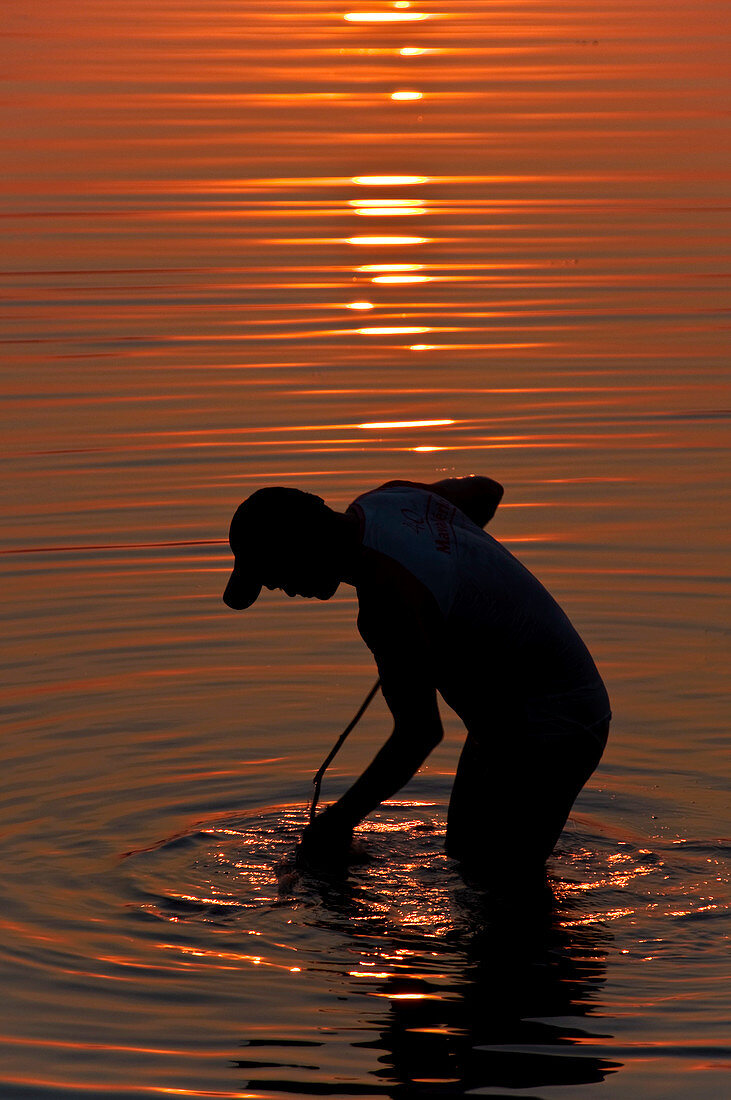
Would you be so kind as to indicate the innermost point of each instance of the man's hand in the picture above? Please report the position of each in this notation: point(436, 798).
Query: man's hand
point(325, 842)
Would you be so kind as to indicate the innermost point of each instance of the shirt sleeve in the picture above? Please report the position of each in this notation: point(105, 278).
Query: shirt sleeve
point(477, 497)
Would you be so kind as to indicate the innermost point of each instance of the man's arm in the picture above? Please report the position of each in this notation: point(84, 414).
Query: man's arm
point(477, 497)
point(411, 697)
point(399, 630)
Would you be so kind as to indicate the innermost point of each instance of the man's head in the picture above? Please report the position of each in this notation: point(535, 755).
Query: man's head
point(284, 538)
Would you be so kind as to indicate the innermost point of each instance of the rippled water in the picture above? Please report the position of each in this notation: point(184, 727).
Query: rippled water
point(253, 243)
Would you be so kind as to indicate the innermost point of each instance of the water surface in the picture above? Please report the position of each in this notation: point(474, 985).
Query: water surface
point(261, 243)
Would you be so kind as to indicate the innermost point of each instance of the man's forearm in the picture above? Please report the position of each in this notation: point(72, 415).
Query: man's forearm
point(391, 769)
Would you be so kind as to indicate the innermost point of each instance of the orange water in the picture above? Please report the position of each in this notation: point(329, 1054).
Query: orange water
point(526, 201)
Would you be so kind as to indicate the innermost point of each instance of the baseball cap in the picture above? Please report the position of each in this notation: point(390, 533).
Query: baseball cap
point(263, 527)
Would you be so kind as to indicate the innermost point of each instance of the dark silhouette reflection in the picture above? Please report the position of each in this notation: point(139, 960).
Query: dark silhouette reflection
point(488, 1024)
point(499, 1001)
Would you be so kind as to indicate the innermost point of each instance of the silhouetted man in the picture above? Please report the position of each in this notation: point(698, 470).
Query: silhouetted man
point(443, 607)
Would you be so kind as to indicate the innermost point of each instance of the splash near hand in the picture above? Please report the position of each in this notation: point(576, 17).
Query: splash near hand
point(325, 843)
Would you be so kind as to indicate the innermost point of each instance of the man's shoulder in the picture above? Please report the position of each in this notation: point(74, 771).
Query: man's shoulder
point(476, 496)
point(388, 487)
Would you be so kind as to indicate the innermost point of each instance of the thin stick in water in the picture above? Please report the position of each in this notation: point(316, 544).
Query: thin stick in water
point(317, 780)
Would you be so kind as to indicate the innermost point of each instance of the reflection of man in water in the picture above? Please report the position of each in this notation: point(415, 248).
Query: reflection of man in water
point(443, 607)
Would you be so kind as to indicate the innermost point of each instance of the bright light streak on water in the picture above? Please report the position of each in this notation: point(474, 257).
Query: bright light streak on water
point(386, 17)
point(387, 240)
point(388, 181)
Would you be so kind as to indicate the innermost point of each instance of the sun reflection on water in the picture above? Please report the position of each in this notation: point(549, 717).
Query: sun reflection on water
point(389, 181)
point(406, 423)
point(392, 330)
point(367, 268)
point(397, 280)
point(402, 875)
point(388, 240)
point(386, 16)
point(451, 961)
point(387, 208)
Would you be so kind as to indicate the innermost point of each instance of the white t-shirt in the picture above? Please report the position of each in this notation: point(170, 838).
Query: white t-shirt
point(503, 639)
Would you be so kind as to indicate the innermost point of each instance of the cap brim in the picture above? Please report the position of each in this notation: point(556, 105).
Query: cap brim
point(241, 592)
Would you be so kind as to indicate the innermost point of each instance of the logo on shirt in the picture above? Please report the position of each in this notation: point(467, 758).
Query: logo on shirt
point(413, 520)
point(442, 527)
point(437, 519)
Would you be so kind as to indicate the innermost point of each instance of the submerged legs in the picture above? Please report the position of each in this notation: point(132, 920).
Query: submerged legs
point(513, 793)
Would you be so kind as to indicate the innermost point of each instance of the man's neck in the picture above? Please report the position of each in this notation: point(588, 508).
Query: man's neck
point(351, 547)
